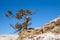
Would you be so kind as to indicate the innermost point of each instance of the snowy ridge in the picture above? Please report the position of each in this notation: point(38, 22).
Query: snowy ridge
point(54, 20)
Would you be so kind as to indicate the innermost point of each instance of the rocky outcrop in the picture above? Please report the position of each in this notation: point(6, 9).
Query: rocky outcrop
point(52, 26)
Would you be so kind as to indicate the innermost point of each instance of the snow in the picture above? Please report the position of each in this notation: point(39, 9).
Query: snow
point(45, 36)
point(8, 37)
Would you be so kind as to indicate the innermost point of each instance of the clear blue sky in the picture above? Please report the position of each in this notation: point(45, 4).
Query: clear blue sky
point(48, 10)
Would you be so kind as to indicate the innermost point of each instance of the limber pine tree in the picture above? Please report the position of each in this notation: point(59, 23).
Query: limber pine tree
point(21, 14)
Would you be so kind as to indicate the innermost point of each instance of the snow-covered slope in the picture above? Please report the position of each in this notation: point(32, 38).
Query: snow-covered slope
point(8, 37)
point(45, 36)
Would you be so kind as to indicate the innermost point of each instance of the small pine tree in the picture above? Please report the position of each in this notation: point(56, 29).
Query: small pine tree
point(21, 14)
